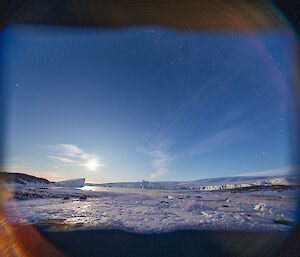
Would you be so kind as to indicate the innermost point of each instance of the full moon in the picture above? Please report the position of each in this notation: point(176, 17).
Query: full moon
point(92, 164)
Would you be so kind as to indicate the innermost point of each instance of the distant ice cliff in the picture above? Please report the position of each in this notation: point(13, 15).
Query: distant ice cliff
point(71, 183)
point(210, 184)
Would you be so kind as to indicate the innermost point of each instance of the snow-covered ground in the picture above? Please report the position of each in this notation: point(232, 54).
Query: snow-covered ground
point(150, 211)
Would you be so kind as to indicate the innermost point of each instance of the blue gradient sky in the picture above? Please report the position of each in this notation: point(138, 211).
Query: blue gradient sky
point(147, 103)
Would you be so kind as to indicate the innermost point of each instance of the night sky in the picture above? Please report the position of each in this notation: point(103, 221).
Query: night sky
point(148, 103)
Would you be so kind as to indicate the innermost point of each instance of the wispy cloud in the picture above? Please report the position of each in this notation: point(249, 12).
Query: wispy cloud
point(71, 151)
point(75, 156)
point(61, 159)
point(17, 166)
point(232, 115)
point(281, 171)
point(161, 160)
point(228, 135)
point(212, 142)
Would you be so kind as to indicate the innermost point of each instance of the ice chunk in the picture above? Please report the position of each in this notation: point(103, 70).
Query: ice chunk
point(259, 207)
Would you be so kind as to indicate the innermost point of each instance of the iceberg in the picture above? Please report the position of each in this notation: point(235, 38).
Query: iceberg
point(70, 183)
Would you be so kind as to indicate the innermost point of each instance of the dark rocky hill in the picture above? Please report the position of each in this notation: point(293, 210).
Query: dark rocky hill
point(21, 178)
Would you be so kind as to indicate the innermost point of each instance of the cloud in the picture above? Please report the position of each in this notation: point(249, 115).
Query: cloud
point(71, 151)
point(281, 171)
point(227, 136)
point(75, 156)
point(232, 115)
point(213, 142)
point(61, 159)
point(15, 165)
point(161, 160)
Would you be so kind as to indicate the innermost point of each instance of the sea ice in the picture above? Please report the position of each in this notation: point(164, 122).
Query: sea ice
point(147, 213)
